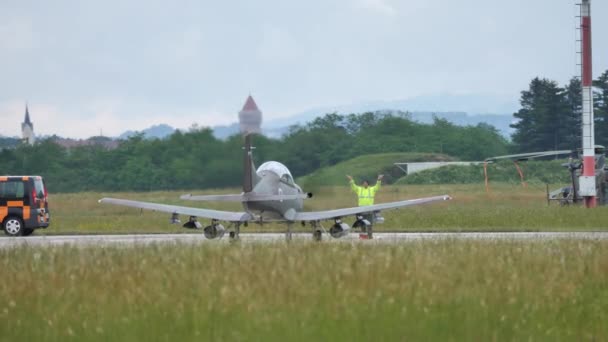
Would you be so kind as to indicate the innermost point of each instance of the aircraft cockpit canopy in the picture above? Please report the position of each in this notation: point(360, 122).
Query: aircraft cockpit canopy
point(277, 168)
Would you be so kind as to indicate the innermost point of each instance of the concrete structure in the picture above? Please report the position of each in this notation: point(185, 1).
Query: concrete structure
point(250, 117)
point(411, 168)
point(587, 186)
point(27, 129)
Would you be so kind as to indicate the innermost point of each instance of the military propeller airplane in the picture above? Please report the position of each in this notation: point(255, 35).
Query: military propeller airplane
point(269, 195)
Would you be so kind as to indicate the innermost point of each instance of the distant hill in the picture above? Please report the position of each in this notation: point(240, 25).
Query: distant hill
point(473, 104)
point(157, 131)
point(223, 132)
point(500, 121)
point(461, 110)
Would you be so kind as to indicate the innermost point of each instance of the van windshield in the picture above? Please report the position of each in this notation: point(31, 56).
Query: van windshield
point(39, 187)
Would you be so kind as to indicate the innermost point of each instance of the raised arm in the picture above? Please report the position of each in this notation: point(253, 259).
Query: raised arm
point(376, 187)
point(353, 186)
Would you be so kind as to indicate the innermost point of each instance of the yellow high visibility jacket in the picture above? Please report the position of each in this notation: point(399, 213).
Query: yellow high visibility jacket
point(366, 196)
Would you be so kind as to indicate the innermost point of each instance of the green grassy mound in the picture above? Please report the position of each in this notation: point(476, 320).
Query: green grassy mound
point(367, 167)
point(539, 172)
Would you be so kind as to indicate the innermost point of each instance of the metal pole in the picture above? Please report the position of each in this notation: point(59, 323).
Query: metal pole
point(587, 178)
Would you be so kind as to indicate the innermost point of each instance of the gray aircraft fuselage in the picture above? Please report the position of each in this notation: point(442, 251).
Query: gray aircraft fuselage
point(268, 182)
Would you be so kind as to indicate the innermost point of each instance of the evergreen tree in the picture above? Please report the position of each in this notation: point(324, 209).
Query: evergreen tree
point(549, 118)
point(572, 117)
point(601, 109)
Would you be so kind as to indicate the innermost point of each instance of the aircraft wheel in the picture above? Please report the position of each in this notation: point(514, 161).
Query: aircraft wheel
point(370, 231)
point(317, 235)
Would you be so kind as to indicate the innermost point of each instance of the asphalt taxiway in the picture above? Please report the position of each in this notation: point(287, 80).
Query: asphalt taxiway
point(146, 239)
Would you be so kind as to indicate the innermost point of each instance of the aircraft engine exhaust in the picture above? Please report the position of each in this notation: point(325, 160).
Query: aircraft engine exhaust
point(192, 223)
point(339, 229)
point(361, 223)
point(214, 231)
point(174, 219)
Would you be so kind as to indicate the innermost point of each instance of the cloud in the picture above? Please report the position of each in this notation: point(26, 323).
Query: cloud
point(378, 6)
point(110, 116)
point(277, 45)
point(12, 114)
point(16, 34)
point(132, 64)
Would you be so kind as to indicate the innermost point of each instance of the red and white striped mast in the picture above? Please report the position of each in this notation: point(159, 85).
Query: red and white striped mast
point(587, 179)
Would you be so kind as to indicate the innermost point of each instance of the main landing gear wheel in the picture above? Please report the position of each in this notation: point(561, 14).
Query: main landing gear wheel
point(234, 235)
point(288, 234)
point(13, 226)
point(370, 231)
point(317, 230)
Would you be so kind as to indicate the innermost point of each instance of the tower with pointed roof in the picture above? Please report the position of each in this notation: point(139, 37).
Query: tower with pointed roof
point(27, 129)
point(250, 117)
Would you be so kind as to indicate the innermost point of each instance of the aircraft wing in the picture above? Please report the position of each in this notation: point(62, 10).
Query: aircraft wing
point(229, 216)
point(249, 197)
point(331, 214)
point(216, 198)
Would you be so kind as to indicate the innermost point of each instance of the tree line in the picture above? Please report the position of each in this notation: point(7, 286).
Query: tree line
point(197, 160)
point(550, 115)
point(549, 118)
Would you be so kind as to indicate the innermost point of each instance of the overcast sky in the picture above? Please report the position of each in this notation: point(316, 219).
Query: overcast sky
point(112, 65)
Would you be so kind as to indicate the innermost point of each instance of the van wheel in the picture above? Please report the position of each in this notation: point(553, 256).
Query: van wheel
point(27, 231)
point(13, 226)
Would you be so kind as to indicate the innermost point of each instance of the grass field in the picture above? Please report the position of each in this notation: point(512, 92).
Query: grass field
point(449, 290)
point(425, 290)
point(505, 208)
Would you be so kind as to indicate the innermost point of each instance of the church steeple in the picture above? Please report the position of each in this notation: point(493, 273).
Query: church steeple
point(27, 117)
point(27, 128)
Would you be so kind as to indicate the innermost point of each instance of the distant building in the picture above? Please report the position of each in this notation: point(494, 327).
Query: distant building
point(250, 117)
point(27, 129)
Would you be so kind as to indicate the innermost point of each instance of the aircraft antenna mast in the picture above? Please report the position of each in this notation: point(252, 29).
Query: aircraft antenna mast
point(587, 187)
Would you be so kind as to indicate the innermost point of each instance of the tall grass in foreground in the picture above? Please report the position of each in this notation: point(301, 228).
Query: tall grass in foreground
point(463, 290)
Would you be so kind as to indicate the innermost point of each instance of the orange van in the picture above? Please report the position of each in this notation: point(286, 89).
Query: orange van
point(24, 204)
